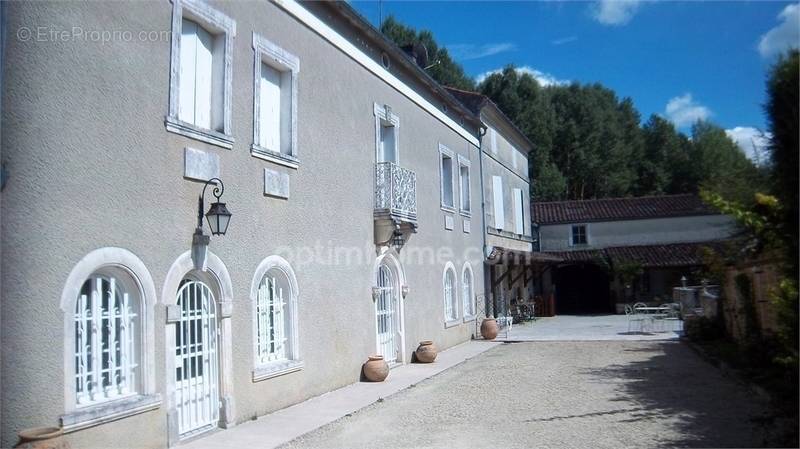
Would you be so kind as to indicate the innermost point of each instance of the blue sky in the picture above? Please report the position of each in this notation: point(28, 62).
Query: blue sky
point(683, 60)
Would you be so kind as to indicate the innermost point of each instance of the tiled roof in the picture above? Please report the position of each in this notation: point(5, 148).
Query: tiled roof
point(648, 256)
point(472, 100)
point(611, 209)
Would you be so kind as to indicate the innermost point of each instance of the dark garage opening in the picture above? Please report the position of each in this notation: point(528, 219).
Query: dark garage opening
point(582, 289)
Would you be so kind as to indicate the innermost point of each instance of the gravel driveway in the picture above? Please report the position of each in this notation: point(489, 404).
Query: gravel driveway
point(560, 394)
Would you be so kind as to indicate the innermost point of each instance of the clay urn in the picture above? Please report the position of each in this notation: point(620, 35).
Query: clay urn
point(42, 438)
point(426, 352)
point(376, 369)
point(489, 328)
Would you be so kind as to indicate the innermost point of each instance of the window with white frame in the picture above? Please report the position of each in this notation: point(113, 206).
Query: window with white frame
point(499, 207)
point(578, 235)
point(275, 335)
point(387, 126)
point(106, 332)
point(464, 185)
point(450, 301)
point(200, 75)
point(519, 212)
point(446, 171)
point(467, 291)
point(272, 318)
point(274, 103)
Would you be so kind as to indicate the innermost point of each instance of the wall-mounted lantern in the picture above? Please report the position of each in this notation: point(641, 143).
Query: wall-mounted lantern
point(218, 217)
point(398, 240)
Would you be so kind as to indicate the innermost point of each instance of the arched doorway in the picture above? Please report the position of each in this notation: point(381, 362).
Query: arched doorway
point(388, 297)
point(199, 346)
point(582, 289)
point(196, 358)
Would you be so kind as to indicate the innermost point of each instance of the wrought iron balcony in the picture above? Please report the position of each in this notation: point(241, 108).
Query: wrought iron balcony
point(395, 192)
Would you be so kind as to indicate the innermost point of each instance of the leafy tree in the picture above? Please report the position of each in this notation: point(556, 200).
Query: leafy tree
point(782, 115)
point(442, 68)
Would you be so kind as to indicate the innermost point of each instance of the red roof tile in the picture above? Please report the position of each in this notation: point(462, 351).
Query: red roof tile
point(648, 256)
point(611, 209)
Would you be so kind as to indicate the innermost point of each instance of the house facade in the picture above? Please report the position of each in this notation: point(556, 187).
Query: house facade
point(353, 179)
point(506, 205)
point(619, 250)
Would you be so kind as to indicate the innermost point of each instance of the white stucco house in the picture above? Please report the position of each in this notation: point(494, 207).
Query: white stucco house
point(354, 181)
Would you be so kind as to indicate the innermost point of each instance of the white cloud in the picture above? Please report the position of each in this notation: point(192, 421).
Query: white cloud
point(752, 141)
point(544, 79)
point(784, 36)
point(614, 12)
point(466, 52)
point(684, 111)
point(564, 40)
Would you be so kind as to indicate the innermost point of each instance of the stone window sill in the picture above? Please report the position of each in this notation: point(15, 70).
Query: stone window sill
point(276, 369)
point(274, 157)
point(219, 139)
point(469, 318)
point(108, 411)
point(452, 323)
point(447, 208)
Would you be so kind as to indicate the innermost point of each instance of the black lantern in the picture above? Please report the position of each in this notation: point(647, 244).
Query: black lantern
point(218, 216)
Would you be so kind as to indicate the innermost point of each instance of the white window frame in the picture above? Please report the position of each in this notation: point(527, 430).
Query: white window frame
point(498, 203)
point(122, 264)
point(519, 212)
point(214, 21)
point(453, 320)
point(294, 362)
point(267, 52)
point(468, 303)
point(384, 114)
point(586, 232)
point(465, 211)
point(444, 151)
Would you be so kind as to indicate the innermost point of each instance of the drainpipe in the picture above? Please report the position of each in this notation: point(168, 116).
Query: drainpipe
point(486, 277)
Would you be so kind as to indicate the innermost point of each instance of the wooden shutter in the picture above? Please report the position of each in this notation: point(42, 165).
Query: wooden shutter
point(187, 71)
point(499, 211)
point(270, 108)
point(519, 212)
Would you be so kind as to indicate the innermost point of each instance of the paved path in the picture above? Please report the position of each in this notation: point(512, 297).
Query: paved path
point(587, 328)
point(284, 425)
point(609, 394)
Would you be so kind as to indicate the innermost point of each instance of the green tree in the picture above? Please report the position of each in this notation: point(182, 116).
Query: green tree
point(442, 68)
point(783, 118)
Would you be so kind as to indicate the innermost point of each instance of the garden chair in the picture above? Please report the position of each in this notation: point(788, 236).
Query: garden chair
point(635, 317)
point(673, 315)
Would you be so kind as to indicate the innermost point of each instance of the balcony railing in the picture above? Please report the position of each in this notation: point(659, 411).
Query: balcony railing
point(395, 192)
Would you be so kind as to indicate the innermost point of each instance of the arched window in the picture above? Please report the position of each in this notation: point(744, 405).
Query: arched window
point(450, 301)
point(107, 338)
point(467, 291)
point(274, 297)
point(274, 330)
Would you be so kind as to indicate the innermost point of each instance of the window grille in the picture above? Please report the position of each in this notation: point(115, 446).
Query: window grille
point(450, 308)
point(105, 341)
point(271, 318)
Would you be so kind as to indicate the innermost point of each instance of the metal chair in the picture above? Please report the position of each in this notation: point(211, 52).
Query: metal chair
point(634, 317)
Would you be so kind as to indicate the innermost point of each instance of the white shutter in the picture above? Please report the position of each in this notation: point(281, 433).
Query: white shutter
point(270, 108)
point(519, 213)
point(499, 211)
point(188, 68)
point(494, 141)
point(465, 198)
point(203, 86)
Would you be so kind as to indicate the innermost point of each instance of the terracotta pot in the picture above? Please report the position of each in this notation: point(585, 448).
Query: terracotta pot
point(42, 438)
point(426, 352)
point(489, 328)
point(376, 369)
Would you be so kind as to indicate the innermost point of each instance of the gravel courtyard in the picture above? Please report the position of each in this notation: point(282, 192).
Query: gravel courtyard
point(607, 394)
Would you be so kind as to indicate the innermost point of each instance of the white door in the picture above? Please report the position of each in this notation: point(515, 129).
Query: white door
point(196, 365)
point(387, 316)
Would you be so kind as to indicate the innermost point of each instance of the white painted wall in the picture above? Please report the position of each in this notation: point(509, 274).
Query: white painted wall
point(639, 232)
